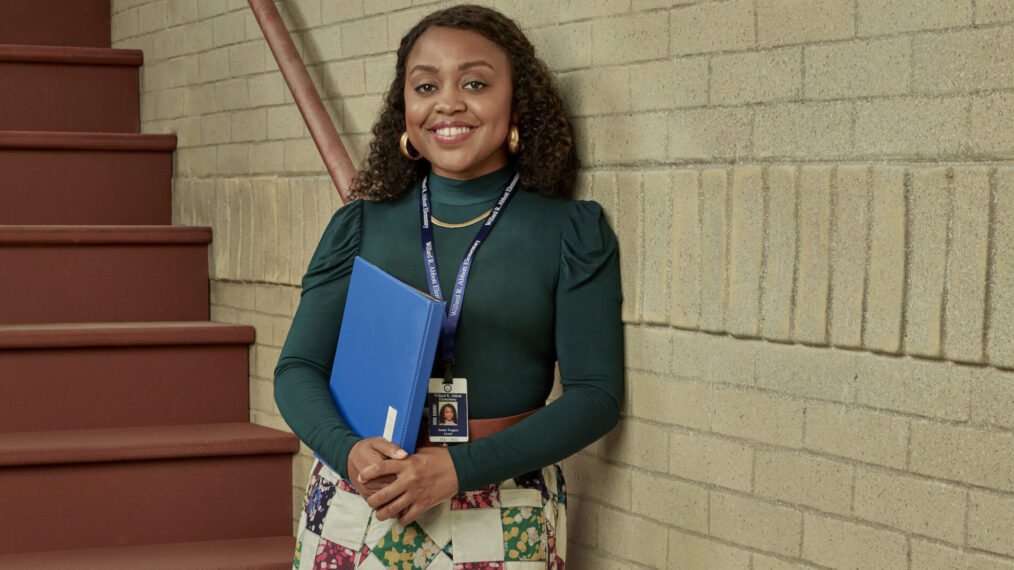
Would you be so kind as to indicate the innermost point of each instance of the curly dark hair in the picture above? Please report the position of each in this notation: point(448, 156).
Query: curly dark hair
point(547, 161)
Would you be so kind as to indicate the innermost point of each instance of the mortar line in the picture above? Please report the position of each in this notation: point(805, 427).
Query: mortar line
point(907, 274)
point(948, 261)
point(867, 266)
point(987, 316)
point(832, 231)
point(765, 247)
point(798, 229)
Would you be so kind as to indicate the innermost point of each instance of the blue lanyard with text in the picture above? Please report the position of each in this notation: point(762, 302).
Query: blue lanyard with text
point(430, 258)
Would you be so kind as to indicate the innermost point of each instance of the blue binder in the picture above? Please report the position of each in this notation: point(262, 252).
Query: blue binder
point(386, 345)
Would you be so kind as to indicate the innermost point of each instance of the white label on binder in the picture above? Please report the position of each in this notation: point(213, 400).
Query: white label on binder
point(392, 416)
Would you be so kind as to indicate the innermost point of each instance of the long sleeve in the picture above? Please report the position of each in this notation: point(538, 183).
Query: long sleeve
point(589, 345)
point(304, 368)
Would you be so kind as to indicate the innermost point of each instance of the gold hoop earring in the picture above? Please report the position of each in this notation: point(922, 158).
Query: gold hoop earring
point(513, 140)
point(404, 147)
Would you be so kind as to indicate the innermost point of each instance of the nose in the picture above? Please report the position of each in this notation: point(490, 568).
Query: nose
point(450, 101)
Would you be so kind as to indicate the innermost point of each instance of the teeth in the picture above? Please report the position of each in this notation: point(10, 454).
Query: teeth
point(451, 131)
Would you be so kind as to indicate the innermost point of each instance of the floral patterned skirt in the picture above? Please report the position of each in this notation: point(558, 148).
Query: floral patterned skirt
point(518, 524)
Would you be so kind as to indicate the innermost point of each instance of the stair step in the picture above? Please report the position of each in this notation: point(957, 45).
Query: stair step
point(103, 375)
point(271, 553)
point(75, 274)
point(55, 22)
point(133, 486)
point(85, 178)
point(69, 88)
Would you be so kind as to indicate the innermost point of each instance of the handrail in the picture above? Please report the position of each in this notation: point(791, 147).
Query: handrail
point(325, 136)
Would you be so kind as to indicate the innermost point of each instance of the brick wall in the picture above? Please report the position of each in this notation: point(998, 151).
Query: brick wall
point(815, 205)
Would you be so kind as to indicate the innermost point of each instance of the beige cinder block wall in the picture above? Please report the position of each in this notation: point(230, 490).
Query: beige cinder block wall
point(815, 202)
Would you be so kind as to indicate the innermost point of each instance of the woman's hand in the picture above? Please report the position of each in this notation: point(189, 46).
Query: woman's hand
point(425, 479)
point(367, 452)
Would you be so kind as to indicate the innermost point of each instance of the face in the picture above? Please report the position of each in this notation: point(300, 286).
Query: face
point(458, 102)
point(448, 413)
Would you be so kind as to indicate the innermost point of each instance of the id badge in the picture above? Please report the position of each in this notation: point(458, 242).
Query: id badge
point(447, 405)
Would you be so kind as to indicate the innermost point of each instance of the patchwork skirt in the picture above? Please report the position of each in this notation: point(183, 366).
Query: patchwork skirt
point(517, 524)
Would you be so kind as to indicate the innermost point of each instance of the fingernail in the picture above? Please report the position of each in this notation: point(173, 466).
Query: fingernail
point(400, 453)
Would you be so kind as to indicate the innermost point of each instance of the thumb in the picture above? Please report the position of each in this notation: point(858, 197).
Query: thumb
point(391, 450)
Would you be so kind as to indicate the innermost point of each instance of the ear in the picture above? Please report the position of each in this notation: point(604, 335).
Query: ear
point(515, 116)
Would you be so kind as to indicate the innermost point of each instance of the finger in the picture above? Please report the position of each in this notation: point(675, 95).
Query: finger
point(394, 508)
point(379, 469)
point(385, 495)
point(389, 449)
point(411, 514)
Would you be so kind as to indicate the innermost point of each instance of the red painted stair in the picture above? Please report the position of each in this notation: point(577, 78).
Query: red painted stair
point(124, 433)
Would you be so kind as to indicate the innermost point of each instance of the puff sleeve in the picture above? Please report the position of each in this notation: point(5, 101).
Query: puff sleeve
point(588, 335)
point(304, 368)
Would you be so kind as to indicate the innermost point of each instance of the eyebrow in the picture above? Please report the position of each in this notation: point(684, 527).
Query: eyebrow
point(462, 67)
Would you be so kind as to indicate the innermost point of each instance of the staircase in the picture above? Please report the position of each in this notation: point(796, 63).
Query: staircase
point(124, 433)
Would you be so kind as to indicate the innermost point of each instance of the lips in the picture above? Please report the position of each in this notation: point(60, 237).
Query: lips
point(449, 133)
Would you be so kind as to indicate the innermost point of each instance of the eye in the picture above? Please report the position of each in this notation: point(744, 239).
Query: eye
point(425, 88)
point(475, 84)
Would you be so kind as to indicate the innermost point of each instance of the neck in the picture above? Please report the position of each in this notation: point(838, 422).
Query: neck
point(480, 190)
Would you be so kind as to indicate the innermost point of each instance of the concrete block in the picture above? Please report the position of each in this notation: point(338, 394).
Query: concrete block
point(379, 6)
point(364, 37)
point(685, 300)
point(648, 349)
point(714, 249)
point(689, 551)
point(758, 417)
point(857, 433)
point(596, 91)
point(712, 27)
point(993, 398)
point(528, 15)
point(755, 77)
point(803, 371)
point(229, 28)
point(214, 64)
point(262, 395)
point(993, 11)
point(248, 227)
point(992, 123)
point(152, 16)
point(707, 134)
point(932, 556)
point(911, 126)
point(780, 253)
point(781, 22)
point(589, 477)
point(231, 94)
point(301, 155)
point(625, 39)
point(803, 130)
point(990, 519)
point(250, 58)
point(343, 79)
point(761, 562)
point(712, 460)
point(200, 99)
point(398, 23)
point(669, 501)
point(286, 273)
point(858, 69)
point(746, 243)
point(285, 122)
point(671, 401)
point(849, 198)
point(585, 9)
point(123, 25)
point(603, 191)
point(964, 312)
point(978, 457)
point(632, 538)
point(637, 443)
point(182, 11)
point(198, 37)
point(810, 311)
point(841, 544)
point(216, 128)
point(999, 340)
point(220, 246)
point(331, 12)
point(658, 223)
point(630, 239)
point(267, 158)
point(927, 265)
point(629, 139)
point(232, 159)
point(963, 61)
point(928, 388)
point(562, 46)
point(250, 125)
point(358, 113)
point(879, 17)
point(928, 508)
point(267, 201)
point(719, 359)
point(379, 73)
point(669, 84)
point(757, 524)
point(885, 292)
point(804, 480)
point(584, 141)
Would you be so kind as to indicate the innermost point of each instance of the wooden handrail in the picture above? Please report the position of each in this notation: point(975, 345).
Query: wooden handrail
point(325, 136)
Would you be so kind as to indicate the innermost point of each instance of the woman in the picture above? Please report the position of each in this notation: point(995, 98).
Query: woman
point(448, 416)
point(473, 132)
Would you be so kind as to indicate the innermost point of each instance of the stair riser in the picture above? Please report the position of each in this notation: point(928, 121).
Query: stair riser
point(40, 186)
point(83, 388)
point(55, 22)
point(68, 97)
point(145, 502)
point(103, 283)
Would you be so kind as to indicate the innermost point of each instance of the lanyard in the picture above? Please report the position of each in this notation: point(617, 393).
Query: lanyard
point(450, 327)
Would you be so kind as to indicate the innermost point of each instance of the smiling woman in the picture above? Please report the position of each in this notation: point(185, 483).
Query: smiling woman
point(473, 130)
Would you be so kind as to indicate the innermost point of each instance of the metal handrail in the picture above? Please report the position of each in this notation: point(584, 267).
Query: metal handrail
point(325, 136)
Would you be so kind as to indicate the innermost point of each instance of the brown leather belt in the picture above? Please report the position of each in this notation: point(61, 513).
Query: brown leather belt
point(476, 428)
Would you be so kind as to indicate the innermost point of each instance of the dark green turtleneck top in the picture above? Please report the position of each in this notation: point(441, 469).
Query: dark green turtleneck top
point(544, 287)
